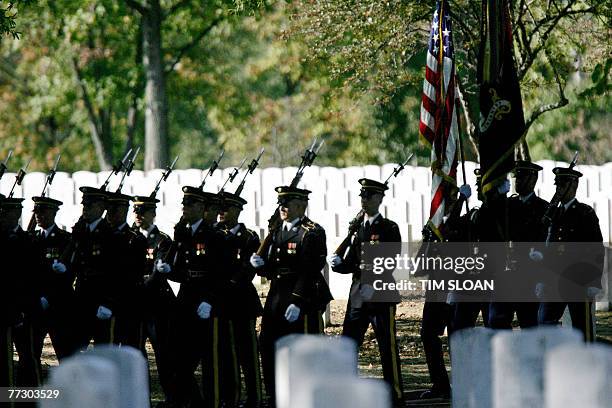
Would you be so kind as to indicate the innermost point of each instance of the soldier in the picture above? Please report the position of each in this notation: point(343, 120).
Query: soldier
point(20, 301)
point(130, 247)
point(527, 210)
point(159, 301)
point(245, 305)
point(360, 310)
point(437, 313)
point(298, 292)
point(470, 228)
point(55, 288)
point(196, 261)
point(92, 261)
point(572, 222)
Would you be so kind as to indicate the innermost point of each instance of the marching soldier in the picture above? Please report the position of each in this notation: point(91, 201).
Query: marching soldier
point(55, 282)
point(437, 312)
point(90, 257)
point(298, 292)
point(361, 311)
point(245, 305)
point(20, 302)
point(575, 223)
point(527, 212)
point(130, 247)
point(159, 301)
point(196, 261)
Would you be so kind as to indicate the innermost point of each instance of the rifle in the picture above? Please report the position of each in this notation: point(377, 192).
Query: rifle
point(274, 222)
point(48, 182)
point(252, 166)
point(232, 175)
point(19, 178)
point(120, 165)
point(4, 163)
point(356, 222)
point(128, 170)
point(164, 177)
point(554, 202)
point(214, 165)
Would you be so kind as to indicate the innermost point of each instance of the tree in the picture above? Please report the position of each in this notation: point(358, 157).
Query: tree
point(373, 47)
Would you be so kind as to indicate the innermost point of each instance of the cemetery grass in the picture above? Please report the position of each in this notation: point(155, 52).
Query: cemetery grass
point(414, 368)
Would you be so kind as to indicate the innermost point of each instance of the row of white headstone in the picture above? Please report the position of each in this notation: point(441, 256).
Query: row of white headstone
point(545, 367)
point(334, 198)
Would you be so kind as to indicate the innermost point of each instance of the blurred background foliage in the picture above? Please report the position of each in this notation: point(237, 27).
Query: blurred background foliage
point(243, 74)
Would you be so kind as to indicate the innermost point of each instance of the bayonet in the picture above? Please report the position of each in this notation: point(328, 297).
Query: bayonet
point(128, 169)
point(3, 165)
point(51, 175)
point(252, 166)
point(120, 165)
point(19, 177)
point(232, 175)
point(398, 169)
point(164, 177)
point(212, 168)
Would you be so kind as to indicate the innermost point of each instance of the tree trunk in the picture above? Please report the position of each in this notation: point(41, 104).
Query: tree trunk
point(156, 110)
point(101, 139)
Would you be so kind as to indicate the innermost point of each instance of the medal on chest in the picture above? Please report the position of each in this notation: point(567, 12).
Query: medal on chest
point(291, 248)
point(150, 253)
point(200, 248)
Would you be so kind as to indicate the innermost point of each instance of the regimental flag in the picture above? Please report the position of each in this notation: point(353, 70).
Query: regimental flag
point(502, 124)
point(438, 125)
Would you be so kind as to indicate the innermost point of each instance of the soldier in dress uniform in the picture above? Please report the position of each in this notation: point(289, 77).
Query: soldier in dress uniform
point(130, 247)
point(195, 261)
point(91, 260)
point(298, 292)
point(361, 311)
point(159, 301)
point(576, 224)
point(55, 282)
point(244, 304)
point(526, 226)
point(20, 302)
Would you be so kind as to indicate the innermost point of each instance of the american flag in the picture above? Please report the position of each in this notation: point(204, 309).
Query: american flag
point(438, 124)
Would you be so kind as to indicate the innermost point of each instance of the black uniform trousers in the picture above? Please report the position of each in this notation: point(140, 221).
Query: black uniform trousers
point(465, 314)
point(550, 313)
point(436, 317)
point(203, 341)
point(501, 314)
point(7, 374)
point(382, 317)
point(273, 327)
point(247, 352)
point(29, 372)
point(59, 325)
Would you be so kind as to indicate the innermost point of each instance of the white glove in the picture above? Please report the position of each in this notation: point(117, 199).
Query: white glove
point(536, 256)
point(104, 313)
point(334, 260)
point(465, 190)
point(504, 187)
point(204, 310)
point(292, 313)
point(257, 261)
point(162, 267)
point(44, 303)
point(539, 290)
point(592, 292)
point(366, 291)
point(58, 267)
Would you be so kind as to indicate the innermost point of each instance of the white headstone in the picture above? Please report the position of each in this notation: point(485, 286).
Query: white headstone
point(518, 364)
point(471, 356)
point(578, 375)
point(345, 392)
point(133, 374)
point(302, 358)
point(84, 381)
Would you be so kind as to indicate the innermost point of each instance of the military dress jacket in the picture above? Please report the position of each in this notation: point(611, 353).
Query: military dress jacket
point(293, 264)
point(18, 295)
point(382, 230)
point(95, 267)
point(55, 287)
point(196, 261)
point(244, 299)
point(155, 284)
